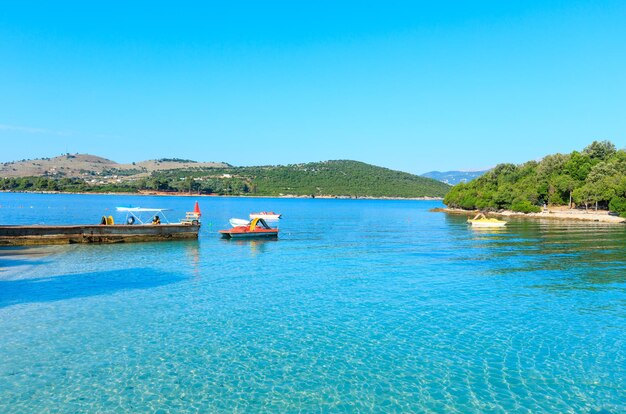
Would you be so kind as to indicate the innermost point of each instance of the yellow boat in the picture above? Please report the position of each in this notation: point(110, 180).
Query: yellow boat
point(482, 221)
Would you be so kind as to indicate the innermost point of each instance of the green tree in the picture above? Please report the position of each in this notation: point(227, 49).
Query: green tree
point(600, 150)
point(565, 184)
point(595, 175)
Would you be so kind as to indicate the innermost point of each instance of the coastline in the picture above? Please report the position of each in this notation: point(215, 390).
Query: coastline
point(601, 216)
point(171, 194)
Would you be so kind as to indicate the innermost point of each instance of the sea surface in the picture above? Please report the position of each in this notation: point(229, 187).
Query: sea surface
point(360, 306)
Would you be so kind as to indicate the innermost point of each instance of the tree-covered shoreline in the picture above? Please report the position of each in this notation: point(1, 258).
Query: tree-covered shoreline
point(331, 178)
point(592, 178)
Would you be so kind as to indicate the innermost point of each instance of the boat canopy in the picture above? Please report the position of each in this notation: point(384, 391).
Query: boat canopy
point(139, 214)
point(142, 210)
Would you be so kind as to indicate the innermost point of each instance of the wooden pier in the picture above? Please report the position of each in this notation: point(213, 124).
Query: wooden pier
point(42, 235)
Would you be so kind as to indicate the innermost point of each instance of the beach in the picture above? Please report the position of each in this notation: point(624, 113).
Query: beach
point(552, 213)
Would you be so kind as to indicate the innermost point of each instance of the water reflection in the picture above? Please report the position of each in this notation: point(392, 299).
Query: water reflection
point(192, 251)
point(569, 255)
point(257, 246)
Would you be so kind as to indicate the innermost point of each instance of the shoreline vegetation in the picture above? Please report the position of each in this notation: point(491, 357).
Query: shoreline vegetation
point(559, 185)
point(564, 214)
point(182, 194)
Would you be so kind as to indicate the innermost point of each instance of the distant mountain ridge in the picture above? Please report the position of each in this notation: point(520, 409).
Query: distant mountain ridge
point(337, 178)
point(79, 165)
point(454, 177)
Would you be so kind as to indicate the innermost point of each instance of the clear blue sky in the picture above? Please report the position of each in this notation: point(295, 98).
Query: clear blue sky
point(414, 86)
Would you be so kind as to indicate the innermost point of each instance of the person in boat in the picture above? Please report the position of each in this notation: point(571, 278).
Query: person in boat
point(156, 220)
point(480, 216)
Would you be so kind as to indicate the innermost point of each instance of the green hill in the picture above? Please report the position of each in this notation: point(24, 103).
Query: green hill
point(594, 177)
point(329, 178)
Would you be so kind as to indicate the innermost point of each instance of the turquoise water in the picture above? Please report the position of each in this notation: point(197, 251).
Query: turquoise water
point(359, 306)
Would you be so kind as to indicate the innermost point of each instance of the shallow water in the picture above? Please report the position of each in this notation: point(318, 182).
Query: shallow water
point(359, 306)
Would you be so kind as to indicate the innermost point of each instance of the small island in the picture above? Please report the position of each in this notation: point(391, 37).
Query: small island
point(583, 185)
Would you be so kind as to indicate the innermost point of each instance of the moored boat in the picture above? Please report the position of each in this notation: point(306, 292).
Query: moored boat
point(481, 221)
point(266, 215)
point(234, 222)
point(136, 229)
point(257, 228)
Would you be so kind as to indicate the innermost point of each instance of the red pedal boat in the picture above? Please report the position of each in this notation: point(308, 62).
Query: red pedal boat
point(257, 228)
